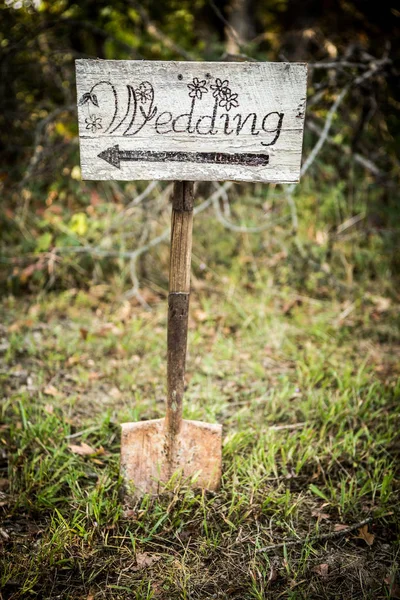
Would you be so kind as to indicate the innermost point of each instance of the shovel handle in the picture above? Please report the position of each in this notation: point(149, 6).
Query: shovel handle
point(178, 300)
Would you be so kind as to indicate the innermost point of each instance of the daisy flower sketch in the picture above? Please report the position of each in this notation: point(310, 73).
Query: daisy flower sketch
point(93, 123)
point(229, 101)
point(221, 89)
point(144, 92)
point(197, 88)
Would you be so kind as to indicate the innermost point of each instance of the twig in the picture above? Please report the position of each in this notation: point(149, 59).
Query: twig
point(350, 222)
point(359, 158)
point(345, 313)
point(337, 65)
point(240, 228)
point(374, 63)
point(95, 251)
point(288, 426)
point(72, 436)
point(231, 30)
point(39, 132)
point(316, 538)
point(229, 57)
point(325, 132)
point(292, 205)
point(152, 185)
point(316, 265)
point(135, 202)
point(332, 111)
point(134, 291)
point(225, 201)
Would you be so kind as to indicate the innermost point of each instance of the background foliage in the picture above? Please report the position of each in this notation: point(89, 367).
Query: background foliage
point(49, 211)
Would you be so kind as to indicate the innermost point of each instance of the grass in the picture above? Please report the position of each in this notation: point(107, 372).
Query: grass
point(307, 389)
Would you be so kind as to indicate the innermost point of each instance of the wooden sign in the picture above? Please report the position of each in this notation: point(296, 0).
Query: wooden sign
point(191, 120)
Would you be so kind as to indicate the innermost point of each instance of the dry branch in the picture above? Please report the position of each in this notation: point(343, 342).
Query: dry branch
point(241, 228)
point(316, 538)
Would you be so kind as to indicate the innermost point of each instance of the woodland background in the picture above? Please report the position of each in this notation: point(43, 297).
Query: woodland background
point(48, 210)
point(294, 337)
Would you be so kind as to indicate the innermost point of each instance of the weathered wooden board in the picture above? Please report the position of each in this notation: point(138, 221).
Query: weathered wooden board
point(191, 120)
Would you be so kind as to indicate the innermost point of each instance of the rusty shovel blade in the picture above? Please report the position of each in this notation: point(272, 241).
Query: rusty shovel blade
point(147, 462)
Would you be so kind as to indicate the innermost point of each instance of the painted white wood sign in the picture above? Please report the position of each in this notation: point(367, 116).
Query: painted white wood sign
point(191, 120)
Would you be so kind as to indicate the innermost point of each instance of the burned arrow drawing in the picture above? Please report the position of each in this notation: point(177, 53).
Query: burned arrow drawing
point(114, 156)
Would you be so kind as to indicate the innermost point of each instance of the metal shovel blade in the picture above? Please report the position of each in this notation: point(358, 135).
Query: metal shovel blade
point(147, 463)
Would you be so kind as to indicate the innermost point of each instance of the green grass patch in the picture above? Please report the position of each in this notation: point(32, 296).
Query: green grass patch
point(309, 404)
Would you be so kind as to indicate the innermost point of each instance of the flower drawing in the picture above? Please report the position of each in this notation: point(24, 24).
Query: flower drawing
point(223, 94)
point(93, 123)
point(88, 97)
point(228, 101)
point(220, 88)
point(144, 92)
point(197, 88)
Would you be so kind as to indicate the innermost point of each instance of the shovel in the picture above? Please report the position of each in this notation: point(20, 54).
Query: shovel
point(153, 451)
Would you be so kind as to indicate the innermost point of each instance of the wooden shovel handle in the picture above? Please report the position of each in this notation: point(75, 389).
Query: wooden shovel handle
point(178, 300)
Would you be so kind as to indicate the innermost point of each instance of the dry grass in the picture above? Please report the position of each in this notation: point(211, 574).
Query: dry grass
point(309, 407)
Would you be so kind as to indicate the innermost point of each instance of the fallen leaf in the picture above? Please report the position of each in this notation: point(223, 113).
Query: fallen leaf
point(49, 408)
point(50, 390)
point(382, 304)
point(320, 515)
point(394, 588)
point(293, 583)
point(246, 260)
point(321, 237)
point(199, 315)
point(273, 574)
point(340, 527)
point(148, 295)
point(34, 310)
point(115, 393)
point(276, 258)
point(75, 359)
point(395, 591)
point(4, 484)
point(82, 449)
point(129, 513)
point(94, 375)
point(144, 560)
point(364, 534)
point(108, 328)
point(156, 589)
point(288, 306)
point(94, 198)
point(125, 311)
point(30, 270)
point(322, 570)
point(99, 291)
point(18, 325)
point(120, 351)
